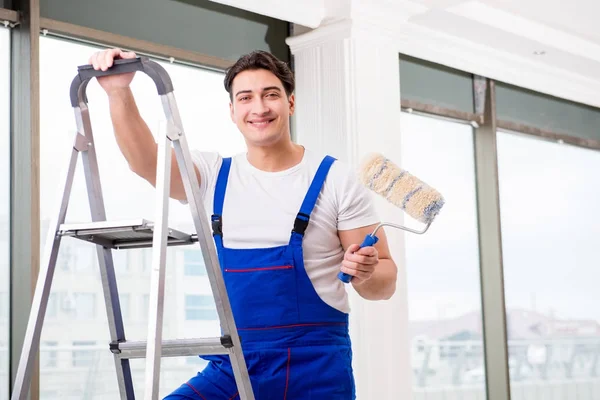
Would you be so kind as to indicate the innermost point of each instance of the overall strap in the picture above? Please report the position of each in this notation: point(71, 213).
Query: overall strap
point(217, 218)
point(301, 222)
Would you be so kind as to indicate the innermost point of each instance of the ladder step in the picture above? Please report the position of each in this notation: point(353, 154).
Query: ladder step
point(128, 234)
point(174, 348)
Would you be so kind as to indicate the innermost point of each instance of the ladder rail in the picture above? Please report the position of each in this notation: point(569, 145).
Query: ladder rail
point(157, 280)
point(105, 258)
point(41, 296)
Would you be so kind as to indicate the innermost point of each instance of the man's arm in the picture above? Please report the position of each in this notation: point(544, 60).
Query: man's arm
point(134, 138)
point(373, 270)
point(136, 142)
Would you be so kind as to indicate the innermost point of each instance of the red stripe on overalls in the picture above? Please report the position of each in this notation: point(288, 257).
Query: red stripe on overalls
point(287, 377)
point(292, 326)
point(258, 269)
point(194, 389)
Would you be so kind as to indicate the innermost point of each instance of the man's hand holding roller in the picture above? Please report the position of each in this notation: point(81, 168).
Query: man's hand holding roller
point(373, 270)
point(360, 263)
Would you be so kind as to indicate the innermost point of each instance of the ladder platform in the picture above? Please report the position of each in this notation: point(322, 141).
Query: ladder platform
point(174, 348)
point(127, 234)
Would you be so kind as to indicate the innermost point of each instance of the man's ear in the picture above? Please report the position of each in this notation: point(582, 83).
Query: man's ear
point(292, 103)
point(231, 112)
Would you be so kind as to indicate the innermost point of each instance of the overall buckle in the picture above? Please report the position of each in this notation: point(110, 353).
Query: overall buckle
point(301, 223)
point(217, 224)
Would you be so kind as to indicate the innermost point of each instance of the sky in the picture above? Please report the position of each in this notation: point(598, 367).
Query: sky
point(549, 222)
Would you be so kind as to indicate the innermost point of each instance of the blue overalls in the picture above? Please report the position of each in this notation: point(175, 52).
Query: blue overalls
point(296, 346)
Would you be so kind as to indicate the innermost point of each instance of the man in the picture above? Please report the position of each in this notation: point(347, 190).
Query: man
point(290, 309)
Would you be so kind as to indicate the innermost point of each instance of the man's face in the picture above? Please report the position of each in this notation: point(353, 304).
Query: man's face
point(260, 107)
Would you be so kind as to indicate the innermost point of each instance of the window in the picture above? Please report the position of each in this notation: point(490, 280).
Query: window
point(146, 259)
point(4, 206)
point(52, 309)
point(4, 305)
point(121, 261)
point(4, 369)
point(444, 295)
point(550, 232)
point(85, 305)
point(193, 263)
point(145, 307)
point(48, 354)
point(199, 307)
point(203, 105)
point(125, 299)
point(83, 354)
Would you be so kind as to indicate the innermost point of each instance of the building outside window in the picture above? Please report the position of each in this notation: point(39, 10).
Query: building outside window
point(193, 263)
point(200, 308)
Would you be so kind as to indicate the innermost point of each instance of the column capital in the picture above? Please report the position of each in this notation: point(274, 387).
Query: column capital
point(333, 31)
point(380, 20)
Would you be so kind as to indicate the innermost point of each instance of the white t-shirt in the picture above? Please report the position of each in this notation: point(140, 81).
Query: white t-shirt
point(260, 208)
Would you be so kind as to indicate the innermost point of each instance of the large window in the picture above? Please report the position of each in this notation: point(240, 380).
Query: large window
point(444, 295)
point(550, 232)
point(194, 263)
point(78, 363)
point(200, 308)
point(4, 206)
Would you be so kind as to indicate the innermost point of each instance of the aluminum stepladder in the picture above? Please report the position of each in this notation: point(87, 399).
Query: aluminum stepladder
point(134, 234)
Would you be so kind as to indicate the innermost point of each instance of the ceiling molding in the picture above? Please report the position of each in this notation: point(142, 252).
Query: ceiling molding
point(345, 29)
point(335, 31)
point(476, 58)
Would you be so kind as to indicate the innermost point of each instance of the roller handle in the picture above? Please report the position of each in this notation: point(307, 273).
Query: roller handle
point(120, 66)
point(370, 240)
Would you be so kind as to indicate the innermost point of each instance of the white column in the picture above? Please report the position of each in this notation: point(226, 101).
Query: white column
point(348, 104)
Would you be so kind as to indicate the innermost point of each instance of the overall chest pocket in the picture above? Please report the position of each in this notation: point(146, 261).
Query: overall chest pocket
point(262, 295)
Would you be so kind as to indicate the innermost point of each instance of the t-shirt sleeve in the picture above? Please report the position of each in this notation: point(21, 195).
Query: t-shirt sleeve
point(208, 164)
point(356, 207)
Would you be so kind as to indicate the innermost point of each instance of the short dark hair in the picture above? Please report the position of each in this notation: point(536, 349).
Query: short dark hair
point(259, 59)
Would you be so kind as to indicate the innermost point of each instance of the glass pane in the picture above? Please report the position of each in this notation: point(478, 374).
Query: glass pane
point(4, 206)
point(443, 264)
point(543, 111)
point(550, 234)
point(194, 263)
point(77, 322)
point(193, 256)
point(200, 314)
point(436, 84)
point(194, 301)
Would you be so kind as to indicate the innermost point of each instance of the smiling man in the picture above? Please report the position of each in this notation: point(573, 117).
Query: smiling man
point(288, 220)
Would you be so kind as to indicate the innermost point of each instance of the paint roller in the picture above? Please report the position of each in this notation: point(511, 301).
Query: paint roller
point(402, 189)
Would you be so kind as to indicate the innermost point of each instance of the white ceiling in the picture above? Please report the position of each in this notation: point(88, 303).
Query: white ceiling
point(567, 33)
point(551, 46)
